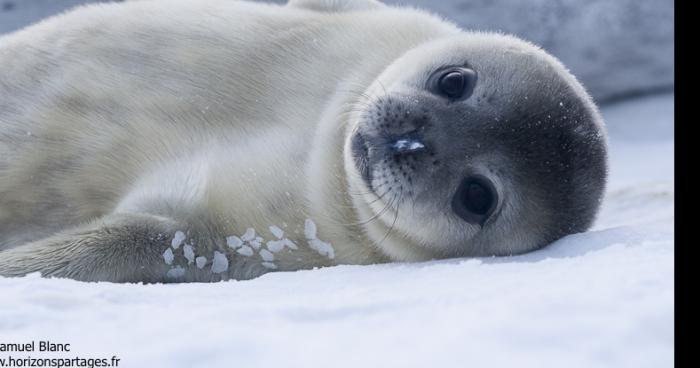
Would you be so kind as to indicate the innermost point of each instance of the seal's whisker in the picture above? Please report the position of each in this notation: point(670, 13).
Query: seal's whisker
point(396, 216)
point(377, 215)
point(362, 94)
point(348, 112)
point(361, 194)
point(383, 87)
point(381, 186)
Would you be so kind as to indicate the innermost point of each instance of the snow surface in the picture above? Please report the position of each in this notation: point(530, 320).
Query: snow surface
point(599, 299)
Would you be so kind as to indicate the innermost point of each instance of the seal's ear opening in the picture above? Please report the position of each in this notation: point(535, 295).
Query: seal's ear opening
point(475, 200)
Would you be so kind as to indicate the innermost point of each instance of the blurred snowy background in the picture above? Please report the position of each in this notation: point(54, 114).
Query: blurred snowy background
point(603, 298)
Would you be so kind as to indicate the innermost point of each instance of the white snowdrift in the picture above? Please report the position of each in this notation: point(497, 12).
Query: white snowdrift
point(599, 299)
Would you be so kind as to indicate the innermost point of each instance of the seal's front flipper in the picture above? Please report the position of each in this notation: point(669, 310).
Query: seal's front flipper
point(117, 248)
point(336, 5)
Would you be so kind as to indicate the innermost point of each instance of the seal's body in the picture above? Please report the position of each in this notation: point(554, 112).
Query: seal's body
point(175, 141)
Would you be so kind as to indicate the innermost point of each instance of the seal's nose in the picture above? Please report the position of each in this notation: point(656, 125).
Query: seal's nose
point(475, 199)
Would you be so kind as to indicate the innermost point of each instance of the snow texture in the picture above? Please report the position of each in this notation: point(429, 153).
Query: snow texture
point(176, 272)
point(234, 242)
point(323, 248)
point(245, 251)
point(616, 48)
point(277, 232)
point(188, 252)
point(290, 244)
point(256, 243)
point(275, 246)
point(220, 263)
point(598, 299)
point(178, 239)
point(309, 229)
point(266, 255)
point(249, 235)
point(168, 256)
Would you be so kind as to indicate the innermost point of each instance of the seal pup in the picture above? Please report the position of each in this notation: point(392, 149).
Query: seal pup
point(171, 141)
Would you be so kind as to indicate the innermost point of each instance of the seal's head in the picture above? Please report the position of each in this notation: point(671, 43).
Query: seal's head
point(475, 145)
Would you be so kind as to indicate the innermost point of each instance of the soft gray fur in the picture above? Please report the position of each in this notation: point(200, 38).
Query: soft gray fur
point(125, 127)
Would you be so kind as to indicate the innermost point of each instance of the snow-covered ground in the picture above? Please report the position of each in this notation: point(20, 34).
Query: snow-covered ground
point(599, 299)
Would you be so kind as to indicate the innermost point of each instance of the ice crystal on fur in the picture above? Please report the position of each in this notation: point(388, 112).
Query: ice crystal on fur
point(178, 239)
point(188, 253)
point(245, 251)
point(176, 272)
point(220, 263)
point(266, 255)
point(277, 232)
point(234, 242)
point(168, 256)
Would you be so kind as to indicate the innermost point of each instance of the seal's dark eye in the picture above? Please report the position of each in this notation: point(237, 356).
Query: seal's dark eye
point(455, 83)
point(475, 200)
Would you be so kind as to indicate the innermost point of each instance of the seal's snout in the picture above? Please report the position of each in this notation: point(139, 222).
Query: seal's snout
point(391, 143)
point(475, 200)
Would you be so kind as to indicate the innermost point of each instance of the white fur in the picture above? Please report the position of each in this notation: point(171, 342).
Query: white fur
point(219, 107)
point(336, 5)
point(228, 112)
